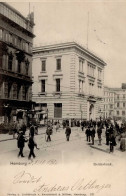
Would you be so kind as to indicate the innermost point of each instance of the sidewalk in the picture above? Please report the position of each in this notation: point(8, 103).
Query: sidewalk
point(5, 137)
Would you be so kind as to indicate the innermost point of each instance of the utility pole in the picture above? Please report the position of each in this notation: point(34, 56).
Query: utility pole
point(87, 29)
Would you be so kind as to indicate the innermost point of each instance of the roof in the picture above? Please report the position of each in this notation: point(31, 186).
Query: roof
point(13, 9)
point(67, 45)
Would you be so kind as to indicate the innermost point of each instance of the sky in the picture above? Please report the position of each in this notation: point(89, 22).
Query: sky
point(103, 22)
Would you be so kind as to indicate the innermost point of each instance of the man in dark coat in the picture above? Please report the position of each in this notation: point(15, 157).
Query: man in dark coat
point(21, 143)
point(99, 132)
point(68, 132)
point(48, 133)
point(31, 145)
point(32, 130)
point(88, 134)
point(112, 143)
point(107, 133)
point(92, 133)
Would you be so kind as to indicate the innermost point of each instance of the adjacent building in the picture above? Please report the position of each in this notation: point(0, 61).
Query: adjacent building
point(115, 102)
point(16, 37)
point(68, 81)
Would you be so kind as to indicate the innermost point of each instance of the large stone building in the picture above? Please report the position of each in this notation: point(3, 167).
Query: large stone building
point(115, 102)
point(16, 36)
point(68, 81)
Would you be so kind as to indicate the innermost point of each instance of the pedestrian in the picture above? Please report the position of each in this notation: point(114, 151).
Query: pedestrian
point(32, 130)
point(82, 125)
point(92, 133)
point(112, 143)
point(68, 132)
point(123, 142)
point(57, 126)
point(21, 143)
point(24, 128)
point(49, 133)
point(88, 133)
point(31, 145)
point(107, 134)
point(14, 127)
point(36, 129)
point(99, 132)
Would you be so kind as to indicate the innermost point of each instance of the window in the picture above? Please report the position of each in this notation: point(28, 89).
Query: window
point(117, 112)
point(10, 38)
point(91, 69)
point(1, 34)
point(24, 92)
point(10, 61)
point(123, 96)
point(42, 85)
point(117, 104)
point(57, 110)
point(58, 64)
point(100, 74)
point(19, 67)
point(18, 91)
point(14, 91)
point(117, 96)
point(57, 85)
point(9, 89)
point(124, 105)
point(1, 89)
point(123, 113)
point(27, 66)
point(79, 86)
point(43, 65)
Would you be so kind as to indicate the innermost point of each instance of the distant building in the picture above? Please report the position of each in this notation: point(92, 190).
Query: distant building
point(109, 102)
point(68, 81)
point(115, 103)
point(16, 36)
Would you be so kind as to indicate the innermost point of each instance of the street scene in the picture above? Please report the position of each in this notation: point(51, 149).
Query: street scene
point(62, 98)
point(61, 151)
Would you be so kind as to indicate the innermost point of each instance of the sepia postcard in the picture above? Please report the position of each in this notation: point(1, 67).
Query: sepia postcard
point(63, 98)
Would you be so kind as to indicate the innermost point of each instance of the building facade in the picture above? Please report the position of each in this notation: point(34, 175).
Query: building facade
point(109, 102)
point(16, 39)
point(115, 102)
point(68, 81)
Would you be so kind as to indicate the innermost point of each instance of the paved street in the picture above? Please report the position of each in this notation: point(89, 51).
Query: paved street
point(63, 163)
point(76, 150)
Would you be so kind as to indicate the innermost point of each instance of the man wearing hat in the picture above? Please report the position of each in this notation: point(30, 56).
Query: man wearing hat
point(21, 143)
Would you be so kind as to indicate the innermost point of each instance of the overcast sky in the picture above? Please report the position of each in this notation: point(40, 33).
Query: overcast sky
point(59, 21)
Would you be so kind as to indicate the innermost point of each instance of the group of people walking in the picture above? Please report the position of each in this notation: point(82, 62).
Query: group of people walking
point(111, 134)
point(21, 140)
point(91, 129)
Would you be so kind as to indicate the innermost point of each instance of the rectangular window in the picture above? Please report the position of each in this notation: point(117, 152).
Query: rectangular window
point(57, 110)
point(1, 84)
point(58, 64)
point(123, 113)
point(1, 34)
point(42, 85)
point(123, 96)
point(57, 85)
point(124, 105)
point(14, 91)
point(117, 112)
point(117, 104)
point(117, 96)
point(18, 91)
point(9, 89)
point(43, 65)
point(19, 67)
